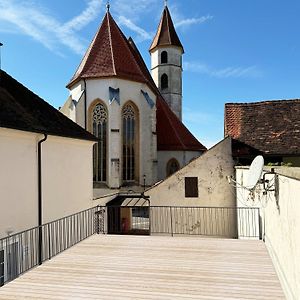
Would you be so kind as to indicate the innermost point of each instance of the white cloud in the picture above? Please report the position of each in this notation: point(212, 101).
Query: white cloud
point(34, 21)
point(142, 34)
point(133, 9)
point(228, 72)
point(192, 21)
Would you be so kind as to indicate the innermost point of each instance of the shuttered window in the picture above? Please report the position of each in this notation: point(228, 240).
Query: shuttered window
point(191, 187)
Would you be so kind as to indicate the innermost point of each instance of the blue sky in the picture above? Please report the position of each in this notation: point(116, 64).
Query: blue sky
point(235, 50)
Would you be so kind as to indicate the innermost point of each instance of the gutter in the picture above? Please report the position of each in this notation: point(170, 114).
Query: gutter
point(40, 210)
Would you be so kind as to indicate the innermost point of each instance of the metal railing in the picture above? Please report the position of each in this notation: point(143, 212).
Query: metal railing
point(227, 222)
point(25, 250)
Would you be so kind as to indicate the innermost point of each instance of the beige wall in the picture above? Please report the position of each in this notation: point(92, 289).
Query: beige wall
point(67, 178)
point(211, 169)
point(281, 215)
point(18, 181)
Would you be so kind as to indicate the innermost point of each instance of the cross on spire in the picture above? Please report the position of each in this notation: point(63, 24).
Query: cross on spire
point(107, 5)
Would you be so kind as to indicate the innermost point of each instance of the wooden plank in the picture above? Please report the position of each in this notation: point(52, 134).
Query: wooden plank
point(152, 267)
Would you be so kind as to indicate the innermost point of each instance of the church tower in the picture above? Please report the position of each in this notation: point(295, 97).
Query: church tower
point(166, 53)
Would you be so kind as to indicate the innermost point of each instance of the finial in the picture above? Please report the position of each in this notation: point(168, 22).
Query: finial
point(107, 5)
point(166, 3)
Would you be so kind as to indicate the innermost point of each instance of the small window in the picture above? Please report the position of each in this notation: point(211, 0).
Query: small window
point(191, 187)
point(172, 166)
point(164, 57)
point(164, 84)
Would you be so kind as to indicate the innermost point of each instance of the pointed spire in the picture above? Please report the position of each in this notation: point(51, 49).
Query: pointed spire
point(166, 34)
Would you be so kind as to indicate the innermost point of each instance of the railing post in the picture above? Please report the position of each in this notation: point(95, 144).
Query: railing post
point(49, 241)
point(171, 219)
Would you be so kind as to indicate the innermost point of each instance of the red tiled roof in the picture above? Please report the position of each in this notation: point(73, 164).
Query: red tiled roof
point(171, 132)
point(166, 34)
point(272, 127)
point(108, 55)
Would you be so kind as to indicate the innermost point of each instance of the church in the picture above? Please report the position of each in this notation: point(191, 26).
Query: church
point(135, 115)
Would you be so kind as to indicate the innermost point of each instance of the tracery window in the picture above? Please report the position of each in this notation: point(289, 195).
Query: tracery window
point(164, 81)
point(172, 166)
point(99, 128)
point(164, 57)
point(129, 118)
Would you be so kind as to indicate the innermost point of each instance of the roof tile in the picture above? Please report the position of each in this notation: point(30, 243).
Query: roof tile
point(166, 34)
point(272, 127)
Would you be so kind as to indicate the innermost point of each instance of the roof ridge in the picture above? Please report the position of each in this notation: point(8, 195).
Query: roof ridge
point(261, 102)
point(110, 42)
point(168, 25)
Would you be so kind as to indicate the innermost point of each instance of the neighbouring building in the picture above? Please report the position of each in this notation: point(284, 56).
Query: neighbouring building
point(269, 128)
point(45, 158)
point(136, 117)
point(280, 217)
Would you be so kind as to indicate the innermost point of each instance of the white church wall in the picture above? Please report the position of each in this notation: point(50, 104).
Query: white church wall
point(98, 89)
point(281, 219)
point(66, 175)
point(183, 158)
point(211, 169)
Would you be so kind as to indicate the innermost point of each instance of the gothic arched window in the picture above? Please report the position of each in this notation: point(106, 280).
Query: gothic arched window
point(172, 166)
point(164, 57)
point(99, 129)
point(130, 147)
point(164, 84)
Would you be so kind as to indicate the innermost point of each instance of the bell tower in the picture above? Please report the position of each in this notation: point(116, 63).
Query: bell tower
point(166, 53)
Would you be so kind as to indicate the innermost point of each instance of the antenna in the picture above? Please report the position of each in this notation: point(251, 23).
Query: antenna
point(0, 56)
point(255, 172)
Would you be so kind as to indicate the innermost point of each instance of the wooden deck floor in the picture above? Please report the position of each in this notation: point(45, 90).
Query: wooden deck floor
point(156, 267)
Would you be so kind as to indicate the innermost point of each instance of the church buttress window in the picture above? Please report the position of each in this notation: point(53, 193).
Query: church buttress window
point(172, 166)
point(164, 57)
point(99, 129)
point(130, 127)
point(164, 84)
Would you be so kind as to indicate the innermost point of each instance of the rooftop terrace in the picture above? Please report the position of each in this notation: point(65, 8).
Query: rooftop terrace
point(152, 267)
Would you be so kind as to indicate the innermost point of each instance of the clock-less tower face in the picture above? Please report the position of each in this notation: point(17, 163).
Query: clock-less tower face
point(166, 70)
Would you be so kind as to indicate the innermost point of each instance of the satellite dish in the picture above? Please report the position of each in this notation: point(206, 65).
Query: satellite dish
point(255, 171)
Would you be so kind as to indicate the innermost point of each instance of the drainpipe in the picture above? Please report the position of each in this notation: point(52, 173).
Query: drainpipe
point(40, 210)
point(85, 106)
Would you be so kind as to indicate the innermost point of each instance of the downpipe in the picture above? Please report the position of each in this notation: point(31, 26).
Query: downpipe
point(40, 202)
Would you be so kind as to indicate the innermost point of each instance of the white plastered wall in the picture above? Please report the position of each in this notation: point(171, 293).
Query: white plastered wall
point(66, 175)
point(281, 219)
point(67, 184)
point(18, 181)
point(98, 89)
